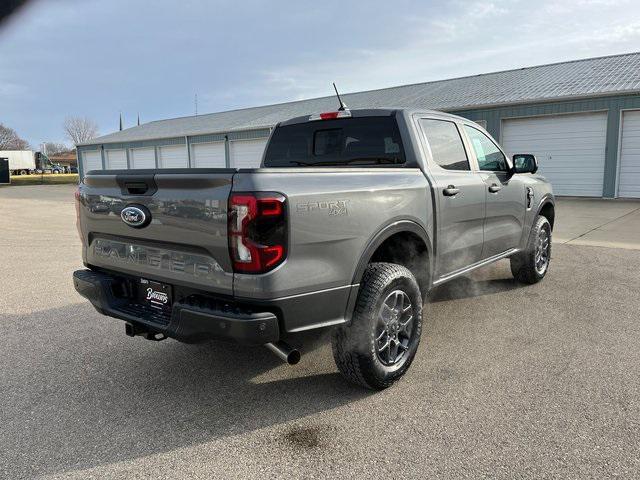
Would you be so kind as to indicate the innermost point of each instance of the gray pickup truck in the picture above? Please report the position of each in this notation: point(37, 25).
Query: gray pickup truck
point(350, 221)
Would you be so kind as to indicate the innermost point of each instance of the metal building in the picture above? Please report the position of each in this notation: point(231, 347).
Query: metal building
point(580, 118)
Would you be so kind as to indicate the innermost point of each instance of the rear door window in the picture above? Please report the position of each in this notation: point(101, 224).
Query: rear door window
point(341, 142)
point(446, 144)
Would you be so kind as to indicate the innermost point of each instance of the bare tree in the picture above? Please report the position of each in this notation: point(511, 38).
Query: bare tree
point(10, 140)
point(80, 129)
point(53, 148)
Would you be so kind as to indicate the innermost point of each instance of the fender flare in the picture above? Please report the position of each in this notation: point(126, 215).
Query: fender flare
point(545, 200)
point(383, 234)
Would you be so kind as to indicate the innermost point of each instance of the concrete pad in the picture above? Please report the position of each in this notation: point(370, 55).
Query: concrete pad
point(598, 222)
point(621, 233)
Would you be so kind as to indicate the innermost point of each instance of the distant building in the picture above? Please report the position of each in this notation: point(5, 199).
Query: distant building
point(580, 118)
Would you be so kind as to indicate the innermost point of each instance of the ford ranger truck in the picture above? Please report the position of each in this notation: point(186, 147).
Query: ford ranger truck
point(352, 217)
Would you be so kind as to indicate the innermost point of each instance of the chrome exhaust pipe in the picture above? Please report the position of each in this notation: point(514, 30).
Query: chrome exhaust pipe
point(284, 352)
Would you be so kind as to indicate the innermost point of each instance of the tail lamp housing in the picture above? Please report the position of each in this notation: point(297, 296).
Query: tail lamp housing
point(77, 203)
point(257, 231)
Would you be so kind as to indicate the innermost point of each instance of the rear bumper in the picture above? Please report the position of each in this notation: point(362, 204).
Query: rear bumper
point(193, 319)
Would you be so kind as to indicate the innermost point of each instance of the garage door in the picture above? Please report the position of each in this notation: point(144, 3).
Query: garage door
point(209, 155)
point(116, 159)
point(92, 160)
point(246, 153)
point(570, 149)
point(629, 182)
point(174, 156)
point(143, 158)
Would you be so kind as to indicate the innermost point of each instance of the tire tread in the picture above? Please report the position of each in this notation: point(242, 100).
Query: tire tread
point(522, 264)
point(354, 365)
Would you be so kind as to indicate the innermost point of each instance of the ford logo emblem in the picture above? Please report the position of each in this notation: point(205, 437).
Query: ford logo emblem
point(136, 216)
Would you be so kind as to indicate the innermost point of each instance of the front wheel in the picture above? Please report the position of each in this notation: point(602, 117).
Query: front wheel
point(377, 348)
point(532, 265)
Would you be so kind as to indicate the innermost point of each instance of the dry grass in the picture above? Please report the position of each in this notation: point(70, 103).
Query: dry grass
point(44, 179)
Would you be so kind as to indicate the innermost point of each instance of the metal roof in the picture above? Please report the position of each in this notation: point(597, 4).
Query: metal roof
point(616, 74)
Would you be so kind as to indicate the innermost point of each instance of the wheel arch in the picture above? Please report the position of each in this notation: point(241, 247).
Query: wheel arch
point(547, 209)
point(385, 246)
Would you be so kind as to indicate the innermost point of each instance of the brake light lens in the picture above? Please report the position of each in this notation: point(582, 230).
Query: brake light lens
point(331, 115)
point(257, 231)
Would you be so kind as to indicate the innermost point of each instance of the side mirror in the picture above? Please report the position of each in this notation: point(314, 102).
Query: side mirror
point(525, 163)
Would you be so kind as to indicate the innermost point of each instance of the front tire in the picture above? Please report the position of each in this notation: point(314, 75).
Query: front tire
point(377, 348)
point(532, 265)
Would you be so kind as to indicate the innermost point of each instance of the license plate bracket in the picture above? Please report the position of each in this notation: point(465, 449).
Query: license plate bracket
point(155, 295)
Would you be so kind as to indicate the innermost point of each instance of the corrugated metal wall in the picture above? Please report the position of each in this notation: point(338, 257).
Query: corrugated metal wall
point(214, 137)
point(493, 116)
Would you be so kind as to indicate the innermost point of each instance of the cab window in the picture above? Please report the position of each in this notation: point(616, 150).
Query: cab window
point(446, 144)
point(490, 157)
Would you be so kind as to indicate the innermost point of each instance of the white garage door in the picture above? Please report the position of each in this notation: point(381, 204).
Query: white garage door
point(173, 156)
point(143, 158)
point(116, 159)
point(92, 160)
point(570, 149)
point(246, 153)
point(209, 155)
point(629, 182)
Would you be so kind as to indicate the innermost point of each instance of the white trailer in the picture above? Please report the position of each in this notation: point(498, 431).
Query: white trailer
point(21, 162)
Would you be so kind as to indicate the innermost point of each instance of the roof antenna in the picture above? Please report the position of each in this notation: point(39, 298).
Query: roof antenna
point(342, 104)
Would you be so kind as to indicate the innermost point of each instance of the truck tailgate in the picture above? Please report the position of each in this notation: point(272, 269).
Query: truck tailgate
point(185, 242)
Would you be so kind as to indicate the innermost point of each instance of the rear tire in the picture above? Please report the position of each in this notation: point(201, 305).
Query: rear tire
point(532, 265)
point(377, 348)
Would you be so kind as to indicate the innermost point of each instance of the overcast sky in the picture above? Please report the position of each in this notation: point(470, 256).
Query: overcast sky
point(96, 58)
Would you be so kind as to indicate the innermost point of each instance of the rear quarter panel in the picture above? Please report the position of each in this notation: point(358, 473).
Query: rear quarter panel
point(334, 214)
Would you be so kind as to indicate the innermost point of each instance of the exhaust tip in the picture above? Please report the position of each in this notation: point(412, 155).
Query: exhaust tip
point(284, 352)
point(293, 357)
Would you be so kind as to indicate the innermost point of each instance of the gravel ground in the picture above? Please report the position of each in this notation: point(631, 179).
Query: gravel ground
point(510, 381)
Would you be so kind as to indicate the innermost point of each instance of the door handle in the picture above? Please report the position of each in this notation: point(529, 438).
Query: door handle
point(450, 191)
point(495, 188)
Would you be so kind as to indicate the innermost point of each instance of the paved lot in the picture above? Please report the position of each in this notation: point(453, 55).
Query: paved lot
point(510, 381)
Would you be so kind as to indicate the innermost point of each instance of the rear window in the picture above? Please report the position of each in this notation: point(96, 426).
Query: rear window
point(344, 141)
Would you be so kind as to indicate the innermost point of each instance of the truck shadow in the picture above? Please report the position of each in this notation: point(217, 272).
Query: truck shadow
point(78, 393)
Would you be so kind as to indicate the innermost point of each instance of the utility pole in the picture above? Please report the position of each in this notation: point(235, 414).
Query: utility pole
point(196, 103)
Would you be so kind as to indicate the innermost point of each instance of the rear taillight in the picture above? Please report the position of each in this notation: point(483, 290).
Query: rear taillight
point(257, 231)
point(77, 202)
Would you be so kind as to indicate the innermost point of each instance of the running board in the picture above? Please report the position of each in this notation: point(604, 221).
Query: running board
point(471, 268)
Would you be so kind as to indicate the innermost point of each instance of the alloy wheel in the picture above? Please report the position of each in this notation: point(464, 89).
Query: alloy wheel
point(394, 328)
